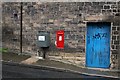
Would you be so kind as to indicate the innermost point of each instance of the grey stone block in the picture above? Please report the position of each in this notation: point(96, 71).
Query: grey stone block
point(118, 28)
point(116, 32)
point(113, 28)
point(116, 42)
point(113, 46)
point(113, 6)
point(113, 37)
point(106, 6)
point(118, 37)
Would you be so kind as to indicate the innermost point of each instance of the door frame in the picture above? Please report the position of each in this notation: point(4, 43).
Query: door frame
point(110, 39)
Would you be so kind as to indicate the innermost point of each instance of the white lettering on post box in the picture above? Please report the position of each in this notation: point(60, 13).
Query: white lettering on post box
point(41, 38)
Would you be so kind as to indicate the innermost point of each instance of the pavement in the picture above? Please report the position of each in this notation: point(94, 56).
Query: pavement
point(66, 66)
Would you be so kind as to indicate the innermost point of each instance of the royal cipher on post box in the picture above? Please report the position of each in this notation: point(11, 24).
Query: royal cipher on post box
point(43, 39)
point(60, 39)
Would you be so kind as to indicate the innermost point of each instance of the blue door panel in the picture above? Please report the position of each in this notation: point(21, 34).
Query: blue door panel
point(98, 44)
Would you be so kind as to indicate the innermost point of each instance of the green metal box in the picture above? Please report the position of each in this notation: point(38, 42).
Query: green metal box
point(43, 39)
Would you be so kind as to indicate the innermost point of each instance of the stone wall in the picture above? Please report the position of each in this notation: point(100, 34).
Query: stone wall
point(11, 26)
point(51, 16)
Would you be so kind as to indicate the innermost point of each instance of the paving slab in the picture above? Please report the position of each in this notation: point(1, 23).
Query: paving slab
point(30, 60)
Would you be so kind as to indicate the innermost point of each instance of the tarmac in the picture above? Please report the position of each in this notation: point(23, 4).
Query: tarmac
point(62, 65)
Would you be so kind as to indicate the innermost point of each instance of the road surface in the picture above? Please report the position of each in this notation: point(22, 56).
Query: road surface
point(16, 71)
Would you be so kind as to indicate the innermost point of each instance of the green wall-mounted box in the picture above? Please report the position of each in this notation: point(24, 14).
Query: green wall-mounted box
point(43, 39)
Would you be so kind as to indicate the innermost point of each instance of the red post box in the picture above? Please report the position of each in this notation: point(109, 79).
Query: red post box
point(60, 39)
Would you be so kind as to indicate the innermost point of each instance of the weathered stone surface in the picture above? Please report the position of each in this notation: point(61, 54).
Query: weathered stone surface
point(70, 16)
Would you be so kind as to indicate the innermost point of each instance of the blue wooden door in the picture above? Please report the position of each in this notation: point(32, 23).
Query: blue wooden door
point(98, 44)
